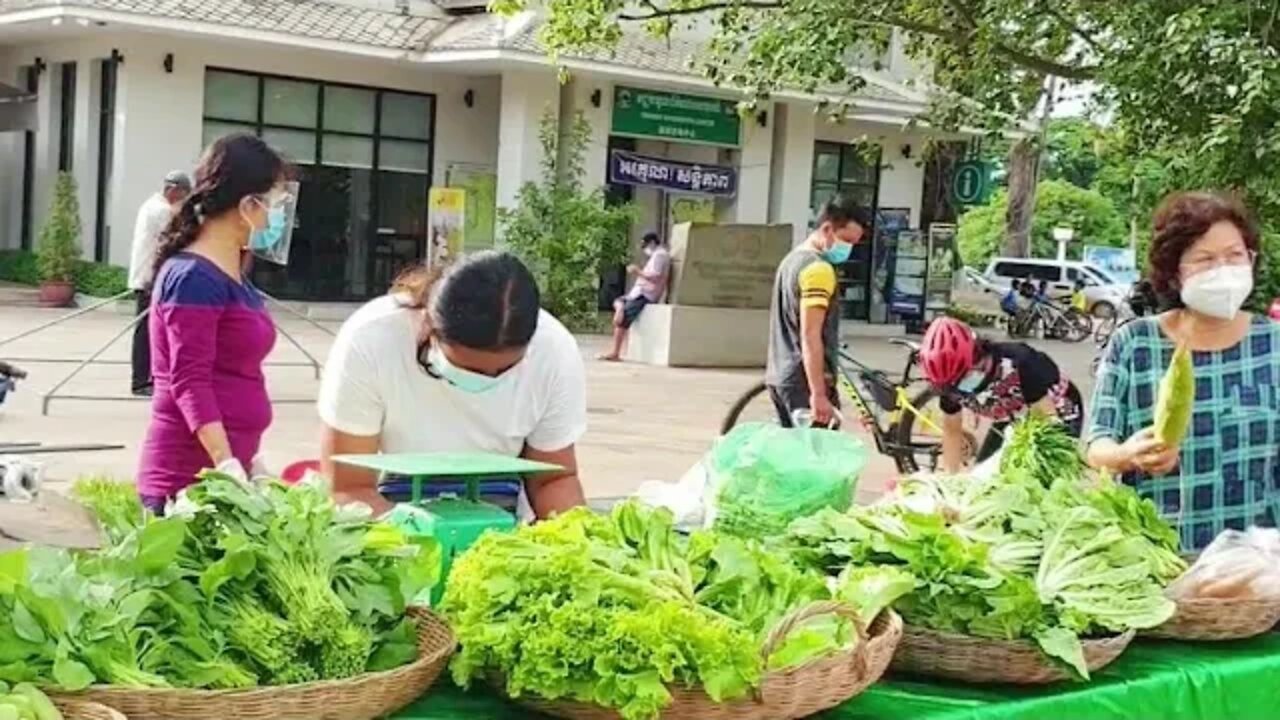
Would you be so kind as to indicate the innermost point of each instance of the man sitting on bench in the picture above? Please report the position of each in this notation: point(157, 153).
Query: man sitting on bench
point(651, 283)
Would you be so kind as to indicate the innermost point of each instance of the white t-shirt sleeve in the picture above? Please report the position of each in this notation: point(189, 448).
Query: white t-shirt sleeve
point(565, 419)
point(350, 401)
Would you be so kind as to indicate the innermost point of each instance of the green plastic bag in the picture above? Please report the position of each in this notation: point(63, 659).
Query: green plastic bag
point(765, 476)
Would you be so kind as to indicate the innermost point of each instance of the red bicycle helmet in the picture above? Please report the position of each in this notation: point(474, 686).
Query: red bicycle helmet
point(946, 353)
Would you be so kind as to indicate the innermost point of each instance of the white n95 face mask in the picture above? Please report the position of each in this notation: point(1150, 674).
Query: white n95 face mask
point(1219, 292)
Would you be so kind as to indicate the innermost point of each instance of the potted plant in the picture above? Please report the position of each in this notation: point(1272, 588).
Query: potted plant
point(59, 245)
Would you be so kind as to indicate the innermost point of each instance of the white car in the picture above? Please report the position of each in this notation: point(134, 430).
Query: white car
point(1104, 294)
point(974, 291)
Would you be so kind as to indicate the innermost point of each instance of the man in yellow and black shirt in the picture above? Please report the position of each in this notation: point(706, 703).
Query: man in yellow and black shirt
point(804, 318)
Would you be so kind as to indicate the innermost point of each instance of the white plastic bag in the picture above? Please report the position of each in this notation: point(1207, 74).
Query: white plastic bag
point(1235, 566)
point(687, 498)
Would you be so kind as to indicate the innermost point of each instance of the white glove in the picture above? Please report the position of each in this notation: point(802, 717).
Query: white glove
point(258, 471)
point(232, 467)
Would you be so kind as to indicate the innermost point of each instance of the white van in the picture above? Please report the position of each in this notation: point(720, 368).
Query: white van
point(1103, 293)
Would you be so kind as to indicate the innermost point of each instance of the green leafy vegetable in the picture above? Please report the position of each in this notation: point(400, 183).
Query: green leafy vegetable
point(1003, 557)
point(1040, 447)
point(238, 587)
point(116, 504)
point(614, 610)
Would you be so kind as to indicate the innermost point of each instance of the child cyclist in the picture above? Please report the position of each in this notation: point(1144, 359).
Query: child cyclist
point(999, 381)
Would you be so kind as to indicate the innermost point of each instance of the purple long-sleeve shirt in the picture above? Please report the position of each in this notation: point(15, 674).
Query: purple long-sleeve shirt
point(209, 338)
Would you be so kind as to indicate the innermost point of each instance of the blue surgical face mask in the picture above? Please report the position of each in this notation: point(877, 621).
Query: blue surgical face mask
point(268, 237)
point(971, 381)
point(839, 252)
point(467, 381)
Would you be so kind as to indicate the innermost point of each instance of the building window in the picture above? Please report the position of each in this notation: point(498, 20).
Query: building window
point(67, 116)
point(32, 84)
point(365, 157)
point(106, 158)
point(851, 171)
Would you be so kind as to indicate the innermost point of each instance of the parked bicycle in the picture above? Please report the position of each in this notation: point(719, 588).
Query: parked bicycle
point(1050, 321)
point(906, 424)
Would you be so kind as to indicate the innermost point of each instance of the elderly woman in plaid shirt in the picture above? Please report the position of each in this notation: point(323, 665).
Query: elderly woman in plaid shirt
point(1226, 474)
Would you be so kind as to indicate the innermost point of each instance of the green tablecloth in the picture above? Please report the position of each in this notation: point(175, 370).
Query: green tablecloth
point(1151, 681)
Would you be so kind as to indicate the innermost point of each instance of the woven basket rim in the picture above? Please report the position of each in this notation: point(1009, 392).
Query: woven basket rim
point(908, 628)
point(887, 625)
point(447, 643)
point(88, 710)
point(1218, 619)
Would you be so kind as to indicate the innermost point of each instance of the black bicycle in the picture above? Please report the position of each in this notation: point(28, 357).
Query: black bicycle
point(906, 425)
point(1050, 321)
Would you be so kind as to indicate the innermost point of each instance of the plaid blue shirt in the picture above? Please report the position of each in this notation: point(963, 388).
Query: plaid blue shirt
point(1228, 474)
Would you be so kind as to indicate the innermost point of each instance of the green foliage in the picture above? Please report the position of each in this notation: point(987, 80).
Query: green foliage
point(18, 266)
point(1002, 557)
point(58, 247)
point(1058, 204)
point(96, 279)
point(223, 593)
point(613, 610)
point(971, 316)
point(1071, 151)
point(567, 235)
point(100, 280)
point(1192, 85)
point(115, 504)
point(1039, 448)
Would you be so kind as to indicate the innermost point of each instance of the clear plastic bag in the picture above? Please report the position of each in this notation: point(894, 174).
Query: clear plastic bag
point(1235, 566)
point(763, 476)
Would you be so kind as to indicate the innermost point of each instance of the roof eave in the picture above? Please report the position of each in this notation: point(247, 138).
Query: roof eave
point(196, 27)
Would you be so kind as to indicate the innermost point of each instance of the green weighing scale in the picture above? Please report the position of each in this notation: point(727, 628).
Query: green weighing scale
point(454, 522)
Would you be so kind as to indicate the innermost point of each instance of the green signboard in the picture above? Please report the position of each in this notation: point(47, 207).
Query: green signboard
point(672, 116)
point(971, 183)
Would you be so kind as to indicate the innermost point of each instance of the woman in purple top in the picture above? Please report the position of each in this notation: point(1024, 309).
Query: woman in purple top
point(210, 330)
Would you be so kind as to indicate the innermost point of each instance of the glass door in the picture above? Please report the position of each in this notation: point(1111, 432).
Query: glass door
point(851, 171)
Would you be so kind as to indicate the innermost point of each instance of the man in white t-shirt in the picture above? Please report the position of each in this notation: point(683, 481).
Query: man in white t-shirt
point(650, 286)
point(153, 217)
point(469, 363)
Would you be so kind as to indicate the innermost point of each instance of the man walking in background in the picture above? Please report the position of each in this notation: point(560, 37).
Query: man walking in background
point(153, 217)
point(650, 285)
point(804, 317)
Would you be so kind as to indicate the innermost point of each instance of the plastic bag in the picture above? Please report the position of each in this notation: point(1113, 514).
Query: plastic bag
point(763, 476)
point(686, 499)
point(1235, 566)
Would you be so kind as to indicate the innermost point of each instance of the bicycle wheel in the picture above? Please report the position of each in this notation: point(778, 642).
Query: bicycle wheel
point(1080, 326)
point(918, 447)
point(753, 405)
point(1103, 329)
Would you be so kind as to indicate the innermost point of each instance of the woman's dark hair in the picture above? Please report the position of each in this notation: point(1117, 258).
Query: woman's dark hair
point(650, 238)
point(485, 301)
point(232, 168)
point(1182, 219)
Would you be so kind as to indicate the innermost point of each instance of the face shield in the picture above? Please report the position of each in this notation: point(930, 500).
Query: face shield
point(272, 241)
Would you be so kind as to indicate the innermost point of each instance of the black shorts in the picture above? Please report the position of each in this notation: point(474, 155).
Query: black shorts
point(631, 309)
point(789, 398)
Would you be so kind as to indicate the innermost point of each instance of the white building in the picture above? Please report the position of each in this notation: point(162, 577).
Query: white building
point(377, 101)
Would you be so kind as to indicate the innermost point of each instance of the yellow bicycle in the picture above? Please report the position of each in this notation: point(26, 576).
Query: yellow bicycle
point(906, 425)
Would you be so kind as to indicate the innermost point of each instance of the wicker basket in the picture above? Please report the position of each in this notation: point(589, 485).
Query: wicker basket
point(1218, 619)
point(981, 660)
point(76, 710)
point(796, 692)
point(364, 697)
